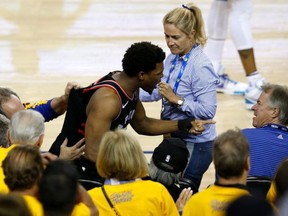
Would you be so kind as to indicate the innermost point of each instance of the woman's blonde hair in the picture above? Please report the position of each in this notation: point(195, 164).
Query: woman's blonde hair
point(188, 18)
point(120, 156)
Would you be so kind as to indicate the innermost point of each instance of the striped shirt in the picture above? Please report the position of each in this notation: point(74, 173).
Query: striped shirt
point(268, 147)
point(198, 88)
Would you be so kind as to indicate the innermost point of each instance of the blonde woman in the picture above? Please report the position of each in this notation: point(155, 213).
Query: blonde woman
point(122, 163)
point(188, 87)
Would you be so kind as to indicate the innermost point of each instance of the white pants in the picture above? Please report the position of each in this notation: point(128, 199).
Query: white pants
point(233, 13)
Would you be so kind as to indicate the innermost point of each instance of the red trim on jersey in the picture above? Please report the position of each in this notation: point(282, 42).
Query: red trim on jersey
point(99, 85)
point(111, 87)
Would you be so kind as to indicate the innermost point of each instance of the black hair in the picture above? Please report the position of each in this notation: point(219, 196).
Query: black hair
point(58, 187)
point(142, 56)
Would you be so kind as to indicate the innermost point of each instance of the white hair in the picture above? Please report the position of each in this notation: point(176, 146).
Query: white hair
point(165, 178)
point(26, 127)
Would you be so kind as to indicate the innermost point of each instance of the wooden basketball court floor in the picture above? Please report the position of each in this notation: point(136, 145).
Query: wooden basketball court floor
point(46, 43)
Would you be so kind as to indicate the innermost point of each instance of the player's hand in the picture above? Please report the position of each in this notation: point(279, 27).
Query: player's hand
point(198, 126)
point(71, 85)
point(47, 157)
point(73, 152)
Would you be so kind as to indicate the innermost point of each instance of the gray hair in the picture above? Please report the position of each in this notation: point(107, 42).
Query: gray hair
point(26, 126)
point(230, 153)
point(163, 177)
point(278, 98)
point(4, 122)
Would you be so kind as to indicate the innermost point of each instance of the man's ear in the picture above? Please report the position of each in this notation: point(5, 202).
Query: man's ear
point(40, 141)
point(248, 164)
point(141, 76)
point(8, 137)
point(275, 112)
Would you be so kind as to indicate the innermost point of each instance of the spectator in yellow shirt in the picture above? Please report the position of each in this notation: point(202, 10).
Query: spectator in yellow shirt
point(232, 163)
point(122, 163)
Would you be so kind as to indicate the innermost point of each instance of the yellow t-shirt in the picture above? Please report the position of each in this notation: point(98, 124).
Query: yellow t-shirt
point(34, 205)
point(36, 208)
point(81, 210)
point(142, 197)
point(3, 154)
point(212, 201)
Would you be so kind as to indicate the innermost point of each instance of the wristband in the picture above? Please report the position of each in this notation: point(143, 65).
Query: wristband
point(185, 124)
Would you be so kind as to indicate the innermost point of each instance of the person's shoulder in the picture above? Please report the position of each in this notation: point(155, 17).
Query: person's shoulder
point(80, 209)
point(94, 190)
point(255, 132)
point(248, 130)
point(4, 151)
point(148, 181)
point(153, 185)
point(106, 94)
point(198, 54)
point(197, 200)
point(34, 205)
point(203, 194)
point(31, 199)
point(170, 58)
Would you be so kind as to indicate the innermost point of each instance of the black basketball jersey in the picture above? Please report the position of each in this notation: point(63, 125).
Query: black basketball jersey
point(75, 118)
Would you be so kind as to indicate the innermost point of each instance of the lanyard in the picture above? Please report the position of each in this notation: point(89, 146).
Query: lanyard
point(176, 85)
point(184, 63)
point(113, 181)
point(185, 59)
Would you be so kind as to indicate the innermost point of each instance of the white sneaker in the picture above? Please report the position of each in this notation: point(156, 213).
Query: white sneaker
point(253, 93)
point(229, 86)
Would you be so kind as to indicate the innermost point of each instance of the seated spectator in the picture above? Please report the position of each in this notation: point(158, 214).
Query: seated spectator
point(279, 186)
point(167, 163)
point(13, 205)
point(4, 122)
point(231, 161)
point(22, 169)
point(59, 191)
point(249, 206)
point(27, 128)
point(122, 163)
point(268, 140)
point(10, 103)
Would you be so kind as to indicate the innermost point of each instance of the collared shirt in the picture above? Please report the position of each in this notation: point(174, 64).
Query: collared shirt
point(268, 147)
point(198, 88)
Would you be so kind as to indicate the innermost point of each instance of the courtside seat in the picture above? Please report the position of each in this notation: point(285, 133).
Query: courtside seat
point(258, 186)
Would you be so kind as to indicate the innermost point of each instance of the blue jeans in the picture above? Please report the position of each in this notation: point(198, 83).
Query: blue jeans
point(199, 161)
